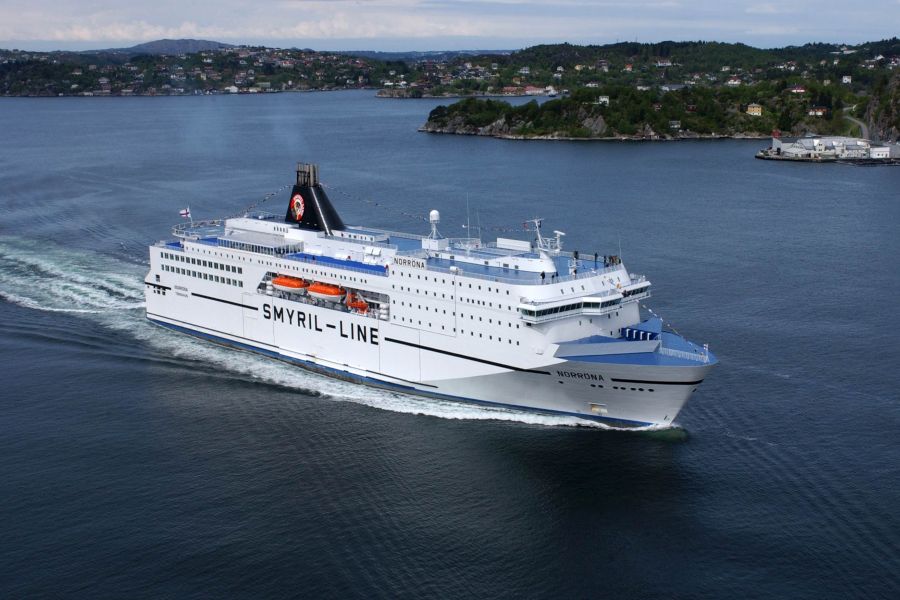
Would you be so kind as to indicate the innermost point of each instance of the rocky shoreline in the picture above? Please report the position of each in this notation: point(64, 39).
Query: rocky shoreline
point(645, 136)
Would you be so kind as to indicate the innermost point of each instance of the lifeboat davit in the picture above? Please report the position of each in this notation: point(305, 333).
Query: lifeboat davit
point(357, 303)
point(326, 291)
point(286, 283)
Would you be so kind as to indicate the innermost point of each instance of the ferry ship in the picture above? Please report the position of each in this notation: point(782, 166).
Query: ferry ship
point(511, 323)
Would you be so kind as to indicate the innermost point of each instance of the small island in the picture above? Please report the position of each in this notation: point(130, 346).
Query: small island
point(627, 113)
point(585, 115)
point(669, 91)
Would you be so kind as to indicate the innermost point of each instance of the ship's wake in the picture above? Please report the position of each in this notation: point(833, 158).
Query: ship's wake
point(50, 278)
point(110, 292)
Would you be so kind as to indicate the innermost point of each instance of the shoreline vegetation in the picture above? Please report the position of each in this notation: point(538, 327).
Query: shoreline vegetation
point(622, 91)
point(681, 138)
point(622, 115)
point(667, 91)
point(611, 114)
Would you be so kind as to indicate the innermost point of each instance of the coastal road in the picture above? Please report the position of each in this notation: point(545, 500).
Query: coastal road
point(863, 129)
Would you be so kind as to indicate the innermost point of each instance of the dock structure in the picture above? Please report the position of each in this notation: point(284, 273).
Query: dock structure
point(819, 148)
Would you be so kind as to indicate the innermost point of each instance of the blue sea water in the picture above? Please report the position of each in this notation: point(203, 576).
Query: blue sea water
point(139, 463)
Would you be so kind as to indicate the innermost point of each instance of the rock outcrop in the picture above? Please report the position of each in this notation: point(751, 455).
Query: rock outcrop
point(883, 111)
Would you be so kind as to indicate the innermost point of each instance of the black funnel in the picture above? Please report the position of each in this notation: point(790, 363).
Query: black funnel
point(310, 207)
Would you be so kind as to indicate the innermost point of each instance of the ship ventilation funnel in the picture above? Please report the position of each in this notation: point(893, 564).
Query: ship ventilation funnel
point(309, 206)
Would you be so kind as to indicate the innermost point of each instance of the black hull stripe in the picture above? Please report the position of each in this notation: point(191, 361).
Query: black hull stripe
point(224, 301)
point(158, 286)
point(194, 327)
point(464, 357)
point(264, 352)
point(658, 382)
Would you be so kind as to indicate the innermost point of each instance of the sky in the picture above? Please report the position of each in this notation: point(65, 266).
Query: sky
point(402, 25)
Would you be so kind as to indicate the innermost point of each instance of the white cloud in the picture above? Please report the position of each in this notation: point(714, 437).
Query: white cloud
point(488, 23)
point(773, 30)
point(135, 30)
point(764, 9)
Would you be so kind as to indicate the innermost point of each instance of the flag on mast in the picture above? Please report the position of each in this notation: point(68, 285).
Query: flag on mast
point(186, 213)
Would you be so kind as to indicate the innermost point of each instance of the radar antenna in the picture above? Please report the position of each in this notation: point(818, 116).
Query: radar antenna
point(548, 245)
point(434, 217)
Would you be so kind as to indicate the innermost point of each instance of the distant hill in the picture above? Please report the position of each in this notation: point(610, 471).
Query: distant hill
point(412, 56)
point(691, 56)
point(167, 47)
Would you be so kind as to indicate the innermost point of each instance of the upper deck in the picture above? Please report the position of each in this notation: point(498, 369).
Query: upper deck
point(375, 251)
point(312, 231)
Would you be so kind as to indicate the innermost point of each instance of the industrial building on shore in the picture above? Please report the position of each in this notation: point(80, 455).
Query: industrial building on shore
point(822, 148)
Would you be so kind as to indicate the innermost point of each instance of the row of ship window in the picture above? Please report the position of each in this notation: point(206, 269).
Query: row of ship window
point(497, 290)
point(257, 249)
point(235, 269)
point(462, 331)
point(452, 313)
point(237, 257)
point(201, 275)
point(202, 263)
point(452, 282)
point(617, 387)
point(569, 307)
point(452, 297)
point(626, 293)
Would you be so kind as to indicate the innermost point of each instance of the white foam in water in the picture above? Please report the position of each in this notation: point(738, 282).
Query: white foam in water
point(111, 292)
point(51, 278)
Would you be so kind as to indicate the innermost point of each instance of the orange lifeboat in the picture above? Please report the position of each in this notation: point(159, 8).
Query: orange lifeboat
point(326, 291)
point(357, 303)
point(286, 283)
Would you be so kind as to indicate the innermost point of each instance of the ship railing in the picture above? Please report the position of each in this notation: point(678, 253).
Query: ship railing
point(259, 215)
point(643, 295)
point(198, 229)
point(256, 248)
point(401, 234)
point(696, 356)
point(361, 242)
point(461, 272)
point(376, 269)
point(584, 274)
point(523, 279)
point(543, 303)
point(416, 253)
point(466, 242)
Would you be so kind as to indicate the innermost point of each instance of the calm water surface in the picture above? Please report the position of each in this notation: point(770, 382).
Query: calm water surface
point(135, 462)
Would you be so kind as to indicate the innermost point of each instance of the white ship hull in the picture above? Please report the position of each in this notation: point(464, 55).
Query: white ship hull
point(514, 323)
point(366, 350)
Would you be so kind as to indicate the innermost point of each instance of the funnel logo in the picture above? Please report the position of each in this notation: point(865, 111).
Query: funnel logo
point(297, 207)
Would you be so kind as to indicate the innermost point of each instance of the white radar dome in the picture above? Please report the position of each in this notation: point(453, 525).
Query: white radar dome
point(434, 216)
